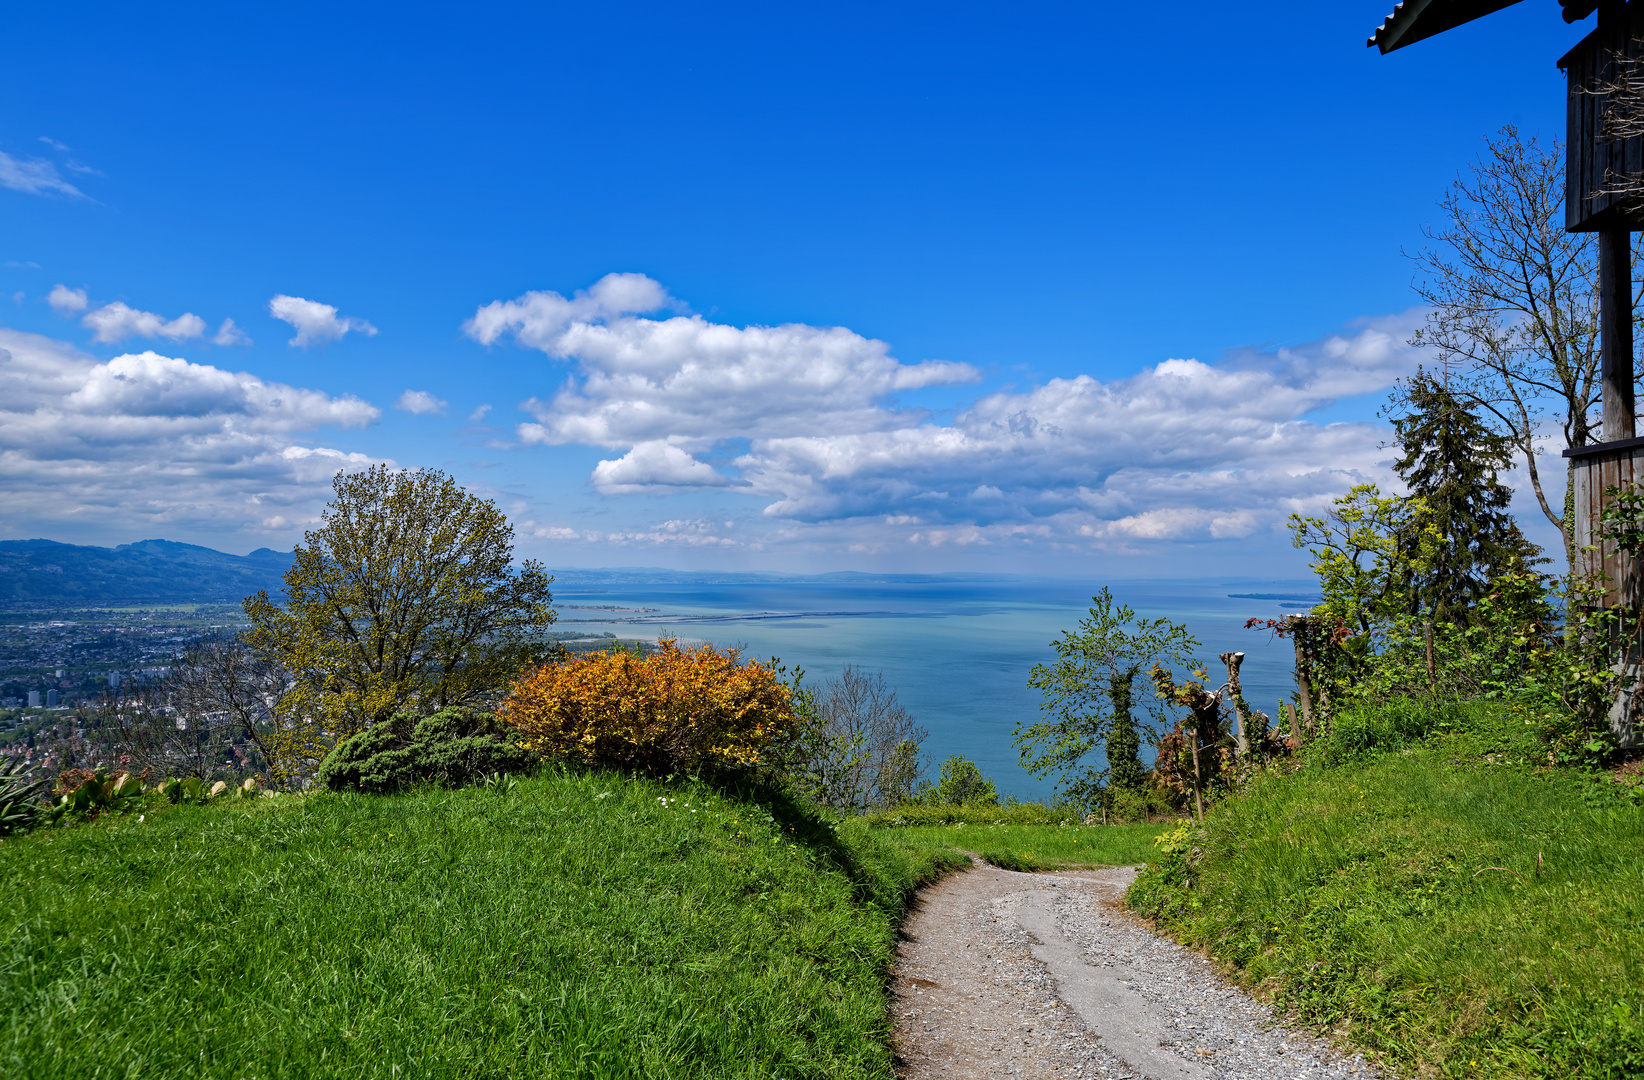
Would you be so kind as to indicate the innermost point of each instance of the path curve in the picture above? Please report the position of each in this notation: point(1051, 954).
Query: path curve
point(1001, 974)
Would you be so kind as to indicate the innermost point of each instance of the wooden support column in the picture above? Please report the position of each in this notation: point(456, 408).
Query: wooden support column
point(1615, 324)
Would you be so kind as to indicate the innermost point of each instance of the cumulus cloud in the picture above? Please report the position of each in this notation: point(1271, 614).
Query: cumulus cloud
point(316, 323)
point(34, 176)
point(479, 414)
point(653, 466)
point(230, 334)
point(418, 402)
point(688, 383)
point(807, 418)
point(67, 301)
point(113, 323)
point(147, 443)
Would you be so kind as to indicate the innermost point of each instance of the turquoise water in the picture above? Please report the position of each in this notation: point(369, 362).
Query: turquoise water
point(958, 653)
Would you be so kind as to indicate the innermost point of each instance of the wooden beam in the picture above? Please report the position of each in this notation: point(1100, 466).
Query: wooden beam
point(1615, 324)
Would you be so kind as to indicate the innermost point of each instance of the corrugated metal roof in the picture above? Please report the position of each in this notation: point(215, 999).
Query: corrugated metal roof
point(1413, 20)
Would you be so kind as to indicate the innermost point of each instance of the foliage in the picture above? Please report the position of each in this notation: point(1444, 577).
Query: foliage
point(20, 794)
point(1083, 689)
point(857, 747)
point(405, 597)
point(86, 794)
point(673, 711)
point(1125, 771)
point(960, 783)
point(1192, 755)
point(1362, 549)
point(1461, 536)
point(589, 924)
point(452, 747)
point(1424, 887)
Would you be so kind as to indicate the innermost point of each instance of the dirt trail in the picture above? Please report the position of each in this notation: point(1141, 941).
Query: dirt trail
point(1003, 974)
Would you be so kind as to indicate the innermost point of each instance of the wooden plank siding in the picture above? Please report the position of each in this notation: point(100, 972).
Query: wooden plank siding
point(1595, 469)
point(1592, 160)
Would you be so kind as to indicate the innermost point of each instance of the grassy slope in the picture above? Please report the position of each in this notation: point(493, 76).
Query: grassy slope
point(578, 926)
point(1031, 847)
point(1390, 890)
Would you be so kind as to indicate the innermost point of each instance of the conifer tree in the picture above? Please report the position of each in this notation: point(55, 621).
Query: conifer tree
point(1450, 463)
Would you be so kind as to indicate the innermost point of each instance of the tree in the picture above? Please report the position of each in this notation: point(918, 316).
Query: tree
point(1084, 689)
point(1464, 536)
point(1362, 547)
point(961, 783)
point(404, 599)
point(1514, 302)
point(859, 748)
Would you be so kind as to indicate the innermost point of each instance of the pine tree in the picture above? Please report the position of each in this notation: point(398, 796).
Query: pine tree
point(1451, 461)
point(1124, 767)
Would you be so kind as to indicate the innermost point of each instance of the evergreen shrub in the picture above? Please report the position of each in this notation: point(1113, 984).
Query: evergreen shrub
point(452, 747)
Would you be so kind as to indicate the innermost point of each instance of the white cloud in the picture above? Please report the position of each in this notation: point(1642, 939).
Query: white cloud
point(653, 466)
point(479, 414)
point(34, 176)
point(53, 143)
point(1183, 450)
point(230, 334)
point(418, 402)
point(67, 301)
point(147, 444)
point(691, 382)
point(113, 323)
point(316, 323)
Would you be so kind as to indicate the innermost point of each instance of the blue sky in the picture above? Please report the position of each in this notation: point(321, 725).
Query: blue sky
point(973, 233)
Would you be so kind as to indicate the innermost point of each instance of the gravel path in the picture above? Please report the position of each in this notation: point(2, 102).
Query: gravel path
point(1003, 974)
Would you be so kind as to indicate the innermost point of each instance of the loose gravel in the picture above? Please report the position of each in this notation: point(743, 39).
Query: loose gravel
point(1003, 974)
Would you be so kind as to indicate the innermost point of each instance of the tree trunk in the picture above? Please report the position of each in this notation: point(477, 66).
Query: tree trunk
point(1198, 798)
point(1241, 741)
point(1304, 689)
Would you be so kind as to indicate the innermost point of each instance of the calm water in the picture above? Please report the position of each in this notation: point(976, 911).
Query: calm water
point(958, 654)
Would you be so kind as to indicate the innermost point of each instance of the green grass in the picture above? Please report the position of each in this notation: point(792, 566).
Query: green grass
point(1034, 847)
point(1423, 889)
point(577, 926)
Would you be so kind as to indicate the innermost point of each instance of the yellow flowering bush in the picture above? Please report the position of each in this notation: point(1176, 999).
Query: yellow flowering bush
point(676, 710)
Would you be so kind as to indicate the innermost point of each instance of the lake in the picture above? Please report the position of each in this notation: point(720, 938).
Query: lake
point(958, 652)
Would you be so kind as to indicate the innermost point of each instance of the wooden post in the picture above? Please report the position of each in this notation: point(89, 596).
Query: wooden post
point(1295, 728)
point(1241, 741)
point(1615, 324)
point(1198, 799)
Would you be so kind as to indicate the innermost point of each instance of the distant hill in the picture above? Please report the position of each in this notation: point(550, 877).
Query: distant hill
point(147, 572)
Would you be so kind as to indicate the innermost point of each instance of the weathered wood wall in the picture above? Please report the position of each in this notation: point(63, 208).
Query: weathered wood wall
point(1593, 161)
point(1595, 469)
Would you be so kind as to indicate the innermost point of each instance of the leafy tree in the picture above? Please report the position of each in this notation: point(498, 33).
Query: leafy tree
point(1362, 545)
point(1087, 690)
point(405, 598)
point(961, 783)
point(1462, 536)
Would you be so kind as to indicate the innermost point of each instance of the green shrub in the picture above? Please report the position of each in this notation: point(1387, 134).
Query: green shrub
point(451, 747)
point(960, 783)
